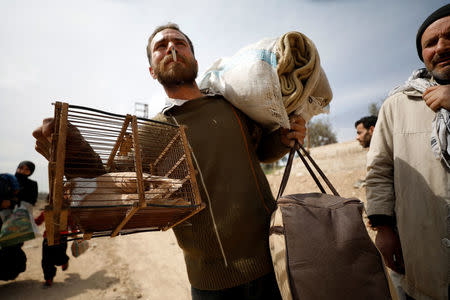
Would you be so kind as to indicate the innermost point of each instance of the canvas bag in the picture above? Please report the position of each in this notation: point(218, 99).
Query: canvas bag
point(19, 226)
point(320, 247)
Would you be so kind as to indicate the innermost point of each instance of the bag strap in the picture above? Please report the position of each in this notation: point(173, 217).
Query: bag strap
point(287, 171)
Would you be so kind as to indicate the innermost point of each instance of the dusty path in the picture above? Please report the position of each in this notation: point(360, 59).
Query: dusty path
point(139, 266)
point(150, 265)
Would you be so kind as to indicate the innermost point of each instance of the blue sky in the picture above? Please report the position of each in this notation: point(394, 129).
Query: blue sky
point(92, 53)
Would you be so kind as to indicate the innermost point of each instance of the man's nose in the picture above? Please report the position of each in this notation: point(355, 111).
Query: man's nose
point(443, 45)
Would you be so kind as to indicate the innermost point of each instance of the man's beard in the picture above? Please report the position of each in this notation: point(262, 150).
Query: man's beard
point(366, 141)
point(176, 73)
point(442, 76)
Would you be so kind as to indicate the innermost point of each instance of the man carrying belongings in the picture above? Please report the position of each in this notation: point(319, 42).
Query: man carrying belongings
point(225, 245)
point(408, 182)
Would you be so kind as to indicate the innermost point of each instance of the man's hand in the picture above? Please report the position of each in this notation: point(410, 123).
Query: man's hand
point(437, 97)
point(43, 136)
point(388, 242)
point(296, 133)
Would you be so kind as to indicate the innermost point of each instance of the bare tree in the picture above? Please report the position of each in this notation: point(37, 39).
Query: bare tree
point(374, 107)
point(321, 133)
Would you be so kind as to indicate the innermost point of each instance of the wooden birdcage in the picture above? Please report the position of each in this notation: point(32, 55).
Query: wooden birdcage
point(112, 174)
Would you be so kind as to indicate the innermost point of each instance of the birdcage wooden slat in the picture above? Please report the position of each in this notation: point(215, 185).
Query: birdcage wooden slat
point(114, 174)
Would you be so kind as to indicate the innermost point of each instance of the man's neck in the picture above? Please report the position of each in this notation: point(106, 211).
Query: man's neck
point(183, 91)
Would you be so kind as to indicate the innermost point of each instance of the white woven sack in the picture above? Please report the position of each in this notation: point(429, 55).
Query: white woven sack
point(250, 82)
point(277, 244)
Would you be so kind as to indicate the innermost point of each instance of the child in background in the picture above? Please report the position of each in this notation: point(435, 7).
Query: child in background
point(53, 256)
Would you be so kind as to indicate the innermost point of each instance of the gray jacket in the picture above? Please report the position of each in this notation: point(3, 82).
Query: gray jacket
point(406, 181)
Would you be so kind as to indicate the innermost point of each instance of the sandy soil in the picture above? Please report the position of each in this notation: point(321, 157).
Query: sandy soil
point(150, 265)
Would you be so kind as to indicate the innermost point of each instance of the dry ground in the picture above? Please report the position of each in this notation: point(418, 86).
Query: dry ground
point(150, 265)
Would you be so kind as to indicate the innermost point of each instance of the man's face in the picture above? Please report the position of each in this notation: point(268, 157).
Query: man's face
point(163, 67)
point(363, 135)
point(24, 170)
point(436, 48)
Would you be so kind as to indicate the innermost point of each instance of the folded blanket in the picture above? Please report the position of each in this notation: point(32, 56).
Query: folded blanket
point(304, 85)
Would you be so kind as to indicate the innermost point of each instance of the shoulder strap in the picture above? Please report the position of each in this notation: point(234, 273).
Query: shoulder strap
point(287, 171)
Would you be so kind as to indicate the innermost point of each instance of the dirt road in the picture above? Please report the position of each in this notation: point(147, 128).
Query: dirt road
point(150, 265)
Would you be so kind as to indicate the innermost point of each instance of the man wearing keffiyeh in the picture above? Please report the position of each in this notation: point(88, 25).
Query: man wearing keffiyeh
point(408, 182)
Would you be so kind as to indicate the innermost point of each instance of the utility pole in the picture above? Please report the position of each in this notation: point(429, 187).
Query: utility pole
point(141, 109)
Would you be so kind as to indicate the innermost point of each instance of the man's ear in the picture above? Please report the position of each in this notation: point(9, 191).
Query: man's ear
point(371, 129)
point(151, 72)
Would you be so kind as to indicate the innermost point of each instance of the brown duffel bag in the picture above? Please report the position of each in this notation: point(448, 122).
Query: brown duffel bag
point(320, 247)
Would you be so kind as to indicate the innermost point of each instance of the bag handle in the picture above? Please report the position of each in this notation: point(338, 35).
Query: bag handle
point(287, 171)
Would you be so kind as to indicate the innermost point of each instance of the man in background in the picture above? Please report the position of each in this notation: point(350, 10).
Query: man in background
point(364, 130)
point(28, 188)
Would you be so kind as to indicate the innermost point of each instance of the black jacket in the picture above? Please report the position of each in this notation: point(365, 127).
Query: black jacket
point(28, 189)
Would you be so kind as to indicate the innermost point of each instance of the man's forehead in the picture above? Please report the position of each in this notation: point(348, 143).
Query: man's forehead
point(168, 34)
point(438, 26)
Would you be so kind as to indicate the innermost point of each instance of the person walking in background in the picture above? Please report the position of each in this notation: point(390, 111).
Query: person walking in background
point(28, 188)
point(364, 130)
point(52, 256)
point(408, 194)
point(13, 260)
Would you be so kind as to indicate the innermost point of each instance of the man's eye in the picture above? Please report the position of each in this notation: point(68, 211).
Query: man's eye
point(430, 43)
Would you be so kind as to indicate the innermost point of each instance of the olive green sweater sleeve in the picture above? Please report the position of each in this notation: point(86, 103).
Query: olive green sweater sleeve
point(270, 147)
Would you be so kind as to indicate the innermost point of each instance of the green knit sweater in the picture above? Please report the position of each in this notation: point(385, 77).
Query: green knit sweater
point(223, 141)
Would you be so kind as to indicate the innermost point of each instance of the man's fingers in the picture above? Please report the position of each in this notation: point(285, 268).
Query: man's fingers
point(297, 132)
point(432, 102)
point(37, 133)
point(43, 147)
point(295, 135)
point(429, 90)
point(43, 144)
point(298, 128)
point(43, 135)
point(435, 105)
point(48, 127)
point(398, 260)
point(394, 261)
point(45, 130)
point(42, 152)
point(297, 120)
point(389, 261)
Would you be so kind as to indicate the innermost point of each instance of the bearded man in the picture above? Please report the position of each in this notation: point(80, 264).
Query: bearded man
point(364, 130)
point(408, 194)
point(225, 245)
